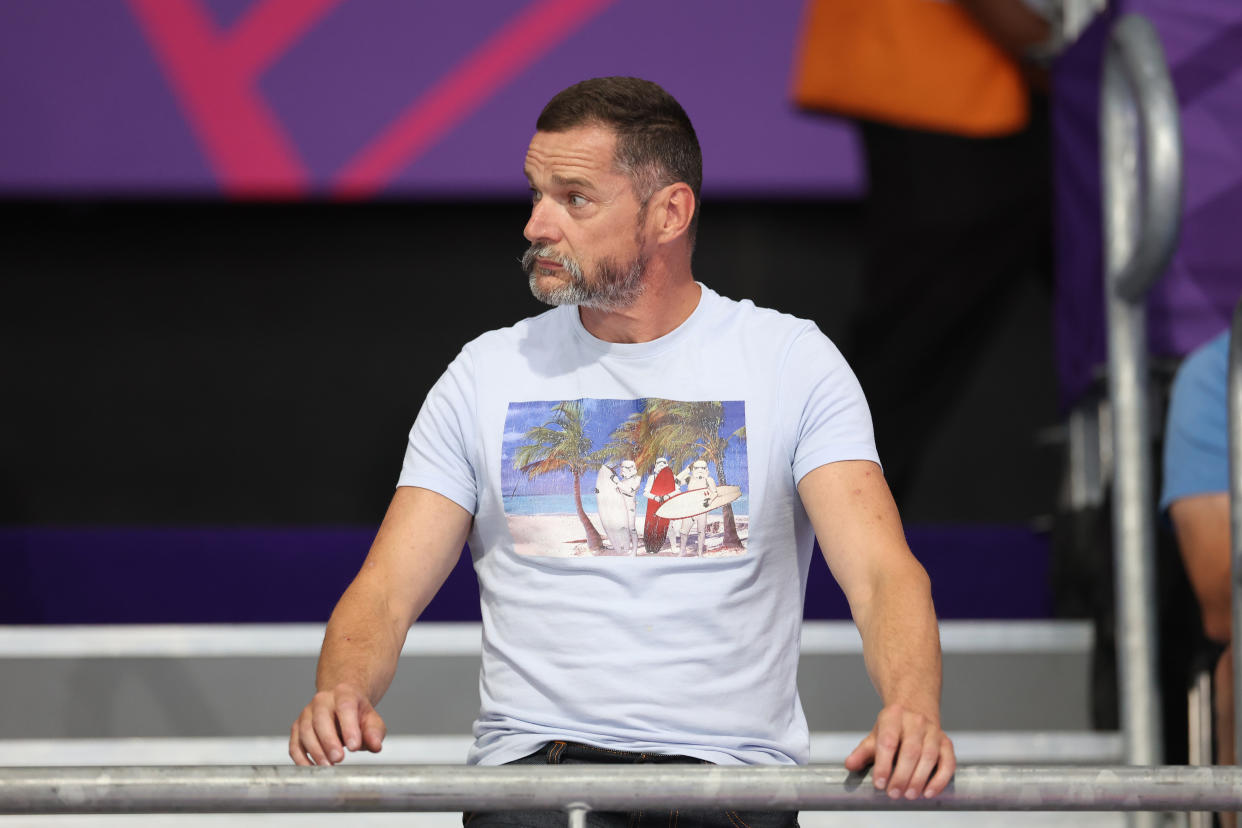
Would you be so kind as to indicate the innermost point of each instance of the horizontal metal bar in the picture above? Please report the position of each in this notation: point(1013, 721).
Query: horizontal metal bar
point(287, 789)
point(972, 747)
point(464, 639)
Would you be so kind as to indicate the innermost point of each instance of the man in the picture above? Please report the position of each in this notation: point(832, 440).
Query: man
point(596, 659)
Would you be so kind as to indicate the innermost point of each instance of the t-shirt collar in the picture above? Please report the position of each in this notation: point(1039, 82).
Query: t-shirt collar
point(640, 350)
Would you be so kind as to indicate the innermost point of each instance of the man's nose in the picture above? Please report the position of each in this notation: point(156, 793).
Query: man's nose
point(542, 225)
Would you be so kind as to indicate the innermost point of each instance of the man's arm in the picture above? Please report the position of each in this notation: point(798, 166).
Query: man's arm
point(1202, 526)
point(413, 552)
point(889, 594)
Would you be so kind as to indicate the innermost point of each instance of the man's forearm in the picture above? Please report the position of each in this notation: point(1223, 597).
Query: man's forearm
point(361, 645)
point(901, 640)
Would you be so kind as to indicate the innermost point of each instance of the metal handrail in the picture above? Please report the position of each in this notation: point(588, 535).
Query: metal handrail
point(1234, 407)
point(1142, 203)
point(1137, 48)
point(579, 788)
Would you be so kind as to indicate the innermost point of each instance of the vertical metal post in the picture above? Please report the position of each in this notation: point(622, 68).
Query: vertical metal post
point(1235, 512)
point(1199, 719)
point(1140, 139)
point(577, 816)
point(1133, 532)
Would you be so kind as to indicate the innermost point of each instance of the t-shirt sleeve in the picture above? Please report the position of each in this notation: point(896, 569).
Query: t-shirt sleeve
point(1196, 434)
point(438, 455)
point(831, 418)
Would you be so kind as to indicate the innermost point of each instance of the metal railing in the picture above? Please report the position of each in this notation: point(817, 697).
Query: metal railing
point(577, 789)
point(1141, 170)
point(1235, 510)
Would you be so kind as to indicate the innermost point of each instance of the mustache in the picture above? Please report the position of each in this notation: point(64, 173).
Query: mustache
point(543, 251)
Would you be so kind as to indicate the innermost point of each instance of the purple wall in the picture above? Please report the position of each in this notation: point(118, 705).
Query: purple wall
point(131, 576)
point(354, 98)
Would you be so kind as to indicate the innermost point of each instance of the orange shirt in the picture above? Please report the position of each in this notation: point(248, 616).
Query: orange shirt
point(918, 63)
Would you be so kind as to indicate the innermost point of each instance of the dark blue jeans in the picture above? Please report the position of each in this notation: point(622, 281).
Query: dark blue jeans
point(572, 753)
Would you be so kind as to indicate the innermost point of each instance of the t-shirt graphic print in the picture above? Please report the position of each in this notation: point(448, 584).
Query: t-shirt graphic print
point(644, 477)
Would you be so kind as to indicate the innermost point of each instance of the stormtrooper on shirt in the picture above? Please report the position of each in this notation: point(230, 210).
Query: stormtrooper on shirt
point(627, 484)
point(695, 477)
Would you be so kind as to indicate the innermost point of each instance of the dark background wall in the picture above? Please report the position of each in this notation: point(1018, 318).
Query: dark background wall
point(206, 403)
point(260, 364)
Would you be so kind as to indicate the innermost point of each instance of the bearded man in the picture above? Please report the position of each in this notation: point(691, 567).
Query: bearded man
point(656, 659)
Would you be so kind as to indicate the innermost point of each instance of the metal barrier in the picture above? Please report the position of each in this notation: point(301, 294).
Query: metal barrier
point(1141, 163)
point(577, 789)
point(1235, 509)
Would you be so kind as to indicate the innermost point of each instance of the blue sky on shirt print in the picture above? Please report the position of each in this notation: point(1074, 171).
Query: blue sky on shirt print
point(602, 417)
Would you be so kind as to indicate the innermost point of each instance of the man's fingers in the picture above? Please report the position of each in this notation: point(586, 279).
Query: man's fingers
point(861, 755)
point(324, 718)
point(945, 768)
point(373, 730)
point(347, 710)
point(296, 752)
point(926, 764)
point(310, 742)
point(887, 740)
point(908, 751)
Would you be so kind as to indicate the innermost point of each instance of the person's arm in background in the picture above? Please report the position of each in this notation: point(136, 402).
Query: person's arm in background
point(1020, 30)
point(1012, 24)
point(417, 546)
point(1201, 523)
point(1195, 494)
point(889, 594)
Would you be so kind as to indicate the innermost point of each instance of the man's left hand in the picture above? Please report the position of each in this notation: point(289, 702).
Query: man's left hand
point(905, 748)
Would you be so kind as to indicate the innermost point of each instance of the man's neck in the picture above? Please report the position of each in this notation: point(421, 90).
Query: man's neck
point(667, 301)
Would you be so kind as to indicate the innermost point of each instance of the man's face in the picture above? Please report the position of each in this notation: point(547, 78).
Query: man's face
point(585, 225)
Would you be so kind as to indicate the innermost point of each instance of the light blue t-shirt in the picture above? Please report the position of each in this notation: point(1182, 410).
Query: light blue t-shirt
point(601, 624)
point(1196, 434)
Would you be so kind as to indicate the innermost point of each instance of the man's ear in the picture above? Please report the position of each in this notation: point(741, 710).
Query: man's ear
point(674, 209)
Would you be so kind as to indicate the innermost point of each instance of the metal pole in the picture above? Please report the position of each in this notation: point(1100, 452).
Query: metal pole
point(1133, 538)
point(576, 788)
point(1235, 510)
point(1139, 137)
point(577, 817)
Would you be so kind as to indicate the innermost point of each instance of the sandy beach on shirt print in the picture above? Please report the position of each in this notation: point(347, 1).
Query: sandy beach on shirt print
point(584, 477)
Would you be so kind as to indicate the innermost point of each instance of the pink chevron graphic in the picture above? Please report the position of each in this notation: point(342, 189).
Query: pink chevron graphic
point(214, 76)
point(541, 27)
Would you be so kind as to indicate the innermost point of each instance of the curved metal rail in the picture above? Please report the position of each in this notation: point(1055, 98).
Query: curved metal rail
point(579, 788)
point(1135, 51)
point(1141, 170)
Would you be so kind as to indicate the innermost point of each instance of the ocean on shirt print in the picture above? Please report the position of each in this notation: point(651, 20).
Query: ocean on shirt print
point(639, 478)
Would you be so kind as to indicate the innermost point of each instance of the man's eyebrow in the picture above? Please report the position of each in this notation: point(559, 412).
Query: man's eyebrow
point(565, 181)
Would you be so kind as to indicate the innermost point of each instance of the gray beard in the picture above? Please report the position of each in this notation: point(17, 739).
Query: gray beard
point(612, 287)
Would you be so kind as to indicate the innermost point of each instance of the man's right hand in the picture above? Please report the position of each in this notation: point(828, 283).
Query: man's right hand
point(333, 721)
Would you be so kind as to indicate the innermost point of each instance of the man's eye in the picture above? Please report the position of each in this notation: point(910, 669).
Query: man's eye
point(535, 195)
point(577, 200)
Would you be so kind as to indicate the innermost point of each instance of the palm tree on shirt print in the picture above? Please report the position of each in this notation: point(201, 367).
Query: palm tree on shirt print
point(560, 444)
point(683, 430)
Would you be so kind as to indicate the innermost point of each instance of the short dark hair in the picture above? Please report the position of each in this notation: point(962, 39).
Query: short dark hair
point(656, 144)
